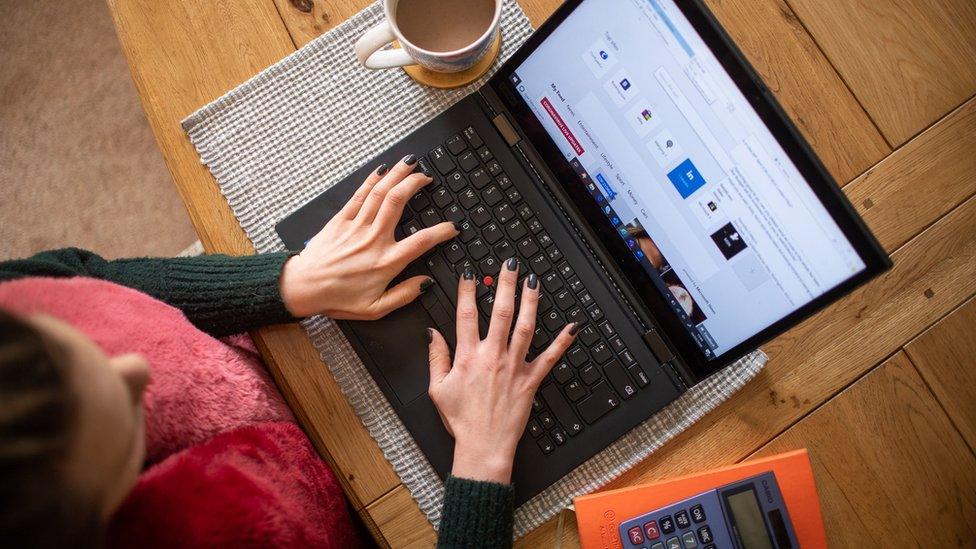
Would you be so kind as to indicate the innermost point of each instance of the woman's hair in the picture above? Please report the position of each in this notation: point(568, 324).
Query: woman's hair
point(37, 425)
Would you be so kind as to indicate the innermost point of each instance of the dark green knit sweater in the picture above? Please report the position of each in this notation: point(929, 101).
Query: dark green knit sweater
point(225, 295)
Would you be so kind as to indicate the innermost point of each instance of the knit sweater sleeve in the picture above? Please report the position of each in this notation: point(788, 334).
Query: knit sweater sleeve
point(219, 294)
point(476, 514)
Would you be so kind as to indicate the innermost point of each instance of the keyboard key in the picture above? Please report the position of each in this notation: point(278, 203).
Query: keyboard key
point(576, 315)
point(601, 400)
point(553, 321)
point(540, 339)
point(546, 445)
point(515, 229)
point(534, 226)
point(585, 298)
point(558, 436)
point(503, 181)
point(454, 213)
point(444, 277)
point(478, 249)
point(577, 356)
point(489, 266)
point(468, 198)
point(627, 358)
point(527, 247)
point(619, 379)
point(442, 197)
point(494, 168)
point(504, 250)
point(555, 255)
point(565, 299)
point(544, 303)
point(537, 404)
point(595, 312)
point(480, 215)
point(545, 418)
point(456, 181)
point(468, 161)
point(564, 269)
point(454, 252)
point(479, 178)
point(419, 201)
point(504, 213)
point(607, 329)
point(562, 372)
point(441, 160)
point(411, 227)
point(456, 144)
point(492, 196)
point(617, 344)
point(640, 375)
point(575, 284)
point(590, 374)
point(484, 154)
point(423, 166)
point(534, 428)
point(540, 264)
point(545, 240)
point(575, 390)
point(472, 136)
point(588, 335)
point(467, 232)
point(601, 353)
point(513, 195)
point(551, 281)
point(492, 233)
point(430, 217)
point(525, 212)
point(561, 409)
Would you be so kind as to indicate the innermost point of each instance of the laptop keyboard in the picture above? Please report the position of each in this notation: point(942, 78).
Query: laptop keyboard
point(470, 187)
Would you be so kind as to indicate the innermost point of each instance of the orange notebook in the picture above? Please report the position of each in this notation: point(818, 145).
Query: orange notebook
point(599, 515)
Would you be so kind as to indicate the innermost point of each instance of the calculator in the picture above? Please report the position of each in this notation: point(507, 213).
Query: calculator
point(747, 514)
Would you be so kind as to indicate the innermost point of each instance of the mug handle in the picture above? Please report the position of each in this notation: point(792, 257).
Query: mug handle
point(368, 49)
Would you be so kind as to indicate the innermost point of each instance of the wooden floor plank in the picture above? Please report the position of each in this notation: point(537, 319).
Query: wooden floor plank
point(890, 468)
point(908, 61)
point(945, 355)
point(182, 56)
point(943, 157)
point(824, 354)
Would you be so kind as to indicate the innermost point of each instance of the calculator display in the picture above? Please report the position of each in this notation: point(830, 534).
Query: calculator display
point(748, 520)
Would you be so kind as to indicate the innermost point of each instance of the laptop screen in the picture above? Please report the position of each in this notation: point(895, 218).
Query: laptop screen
point(683, 169)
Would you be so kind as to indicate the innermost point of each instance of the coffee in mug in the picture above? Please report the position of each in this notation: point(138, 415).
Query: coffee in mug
point(440, 35)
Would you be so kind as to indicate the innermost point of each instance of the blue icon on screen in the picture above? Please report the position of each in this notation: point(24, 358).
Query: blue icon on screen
point(606, 209)
point(639, 254)
point(631, 243)
point(603, 55)
point(615, 221)
point(625, 84)
point(686, 178)
point(622, 231)
point(599, 198)
point(606, 186)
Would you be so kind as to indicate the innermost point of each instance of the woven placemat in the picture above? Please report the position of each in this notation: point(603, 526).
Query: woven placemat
point(300, 126)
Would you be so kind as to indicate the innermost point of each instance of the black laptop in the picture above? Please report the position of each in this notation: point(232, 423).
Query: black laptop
point(630, 157)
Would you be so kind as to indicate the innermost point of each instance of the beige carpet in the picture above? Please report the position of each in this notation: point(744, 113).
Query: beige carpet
point(78, 163)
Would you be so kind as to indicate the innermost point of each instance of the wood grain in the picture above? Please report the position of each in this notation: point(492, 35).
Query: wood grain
point(888, 464)
point(945, 355)
point(182, 56)
point(398, 517)
point(908, 62)
point(941, 159)
point(824, 354)
point(308, 19)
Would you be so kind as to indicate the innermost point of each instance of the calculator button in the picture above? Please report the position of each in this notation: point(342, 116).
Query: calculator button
point(635, 535)
point(681, 519)
point(705, 534)
point(651, 530)
point(658, 545)
point(698, 514)
point(667, 524)
point(673, 543)
point(689, 540)
point(709, 546)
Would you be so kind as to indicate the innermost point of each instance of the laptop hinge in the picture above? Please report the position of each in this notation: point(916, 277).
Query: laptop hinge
point(658, 346)
point(505, 128)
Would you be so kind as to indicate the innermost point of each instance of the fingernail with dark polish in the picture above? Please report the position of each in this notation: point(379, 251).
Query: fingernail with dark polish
point(430, 335)
point(382, 169)
point(410, 159)
point(532, 282)
point(512, 264)
point(468, 273)
point(457, 225)
point(575, 329)
point(427, 283)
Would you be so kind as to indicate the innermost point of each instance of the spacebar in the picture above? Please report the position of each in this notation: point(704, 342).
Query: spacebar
point(444, 277)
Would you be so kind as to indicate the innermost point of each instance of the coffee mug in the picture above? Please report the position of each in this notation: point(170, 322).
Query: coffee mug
point(371, 55)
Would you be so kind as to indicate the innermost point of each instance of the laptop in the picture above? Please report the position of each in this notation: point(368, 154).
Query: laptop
point(630, 157)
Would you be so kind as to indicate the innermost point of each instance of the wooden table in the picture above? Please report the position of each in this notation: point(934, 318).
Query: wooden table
point(881, 386)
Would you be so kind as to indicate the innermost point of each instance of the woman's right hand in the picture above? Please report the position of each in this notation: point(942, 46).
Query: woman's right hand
point(484, 400)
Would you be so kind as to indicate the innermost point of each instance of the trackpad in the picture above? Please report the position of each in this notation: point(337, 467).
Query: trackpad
point(398, 347)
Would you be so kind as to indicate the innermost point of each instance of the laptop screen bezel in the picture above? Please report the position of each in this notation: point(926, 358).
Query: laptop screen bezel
point(745, 77)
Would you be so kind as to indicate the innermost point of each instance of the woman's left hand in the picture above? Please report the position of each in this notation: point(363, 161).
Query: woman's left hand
point(345, 270)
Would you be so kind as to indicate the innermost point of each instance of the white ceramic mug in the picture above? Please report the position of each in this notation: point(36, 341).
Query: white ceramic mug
point(370, 53)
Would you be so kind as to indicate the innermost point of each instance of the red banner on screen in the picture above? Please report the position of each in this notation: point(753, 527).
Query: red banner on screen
point(562, 126)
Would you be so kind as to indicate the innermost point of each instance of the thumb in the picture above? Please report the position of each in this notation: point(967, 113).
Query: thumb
point(439, 356)
point(400, 295)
